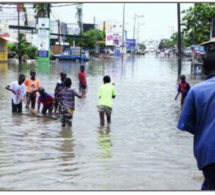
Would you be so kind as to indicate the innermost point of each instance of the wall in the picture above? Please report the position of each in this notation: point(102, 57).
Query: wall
point(3, 50)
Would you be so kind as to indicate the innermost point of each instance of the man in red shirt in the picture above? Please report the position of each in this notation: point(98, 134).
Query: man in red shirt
point(47, 101)
point(82, 79)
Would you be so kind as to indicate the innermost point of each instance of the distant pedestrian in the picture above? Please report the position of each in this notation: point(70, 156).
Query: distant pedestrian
point(47, 101)
point(197, 117)
point(66, 98)
point(59, 86)
point(183, 88)
point(33, 85)
point(82, 80)
point(19, 90)
point(106, 93)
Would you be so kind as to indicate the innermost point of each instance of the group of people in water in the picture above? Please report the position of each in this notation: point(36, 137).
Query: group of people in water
point(63, 102)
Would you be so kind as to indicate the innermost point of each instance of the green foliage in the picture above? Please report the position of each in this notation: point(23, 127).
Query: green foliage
point(23, 44)
point(90, 42)
point(166, 43)
point(51, 55)
point(12, 47)
point(26, 50)
point(142, 46)
point(200, 24)
point(32, 52)
point(41, 9)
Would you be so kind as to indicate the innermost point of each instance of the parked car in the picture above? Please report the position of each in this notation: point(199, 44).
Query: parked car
point(188, 52)
point(69, 55)
point(109, 51)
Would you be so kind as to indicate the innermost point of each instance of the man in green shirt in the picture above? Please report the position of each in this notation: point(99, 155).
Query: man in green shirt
point(107, 93)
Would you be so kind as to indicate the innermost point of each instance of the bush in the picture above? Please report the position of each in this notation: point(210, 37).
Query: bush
point(12, 47)
point(32, 52)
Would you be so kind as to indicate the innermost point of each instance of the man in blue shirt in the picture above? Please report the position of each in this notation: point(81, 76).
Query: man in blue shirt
point(198, 118)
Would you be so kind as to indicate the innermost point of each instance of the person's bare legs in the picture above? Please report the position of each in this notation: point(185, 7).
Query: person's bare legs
point(27, 101)
point(102, 118)
point(182, 101)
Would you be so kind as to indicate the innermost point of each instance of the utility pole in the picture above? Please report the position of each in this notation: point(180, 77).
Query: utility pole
point(123, 30)
point(135, 16)
point(179, 39)
point(19, 46)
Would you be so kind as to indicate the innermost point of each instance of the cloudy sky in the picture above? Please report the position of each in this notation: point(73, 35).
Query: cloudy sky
point(160, 19)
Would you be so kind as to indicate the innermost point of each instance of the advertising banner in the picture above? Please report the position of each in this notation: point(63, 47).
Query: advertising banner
point(130, 43)
point(109, 37)
point(43, 43)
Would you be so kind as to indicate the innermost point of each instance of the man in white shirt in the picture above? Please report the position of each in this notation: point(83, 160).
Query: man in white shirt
point(19, 90)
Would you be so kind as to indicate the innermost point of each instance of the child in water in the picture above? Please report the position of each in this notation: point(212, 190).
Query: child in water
point(32, 85)
point(47, 101)
point(82, 80)
point(183, 88)
point(18, 89)
point(107, 93)
point(66, 98)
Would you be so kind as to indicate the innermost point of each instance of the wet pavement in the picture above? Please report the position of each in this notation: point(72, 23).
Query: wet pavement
point(141, 150)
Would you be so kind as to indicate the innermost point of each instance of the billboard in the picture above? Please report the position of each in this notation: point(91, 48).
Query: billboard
point(109, 37)
point(130, 43)
point(114, 37)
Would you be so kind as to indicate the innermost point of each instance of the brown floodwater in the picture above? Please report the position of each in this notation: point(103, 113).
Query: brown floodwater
point(141, 150)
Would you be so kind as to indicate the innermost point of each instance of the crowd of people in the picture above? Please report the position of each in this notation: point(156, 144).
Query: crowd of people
point(25, 91)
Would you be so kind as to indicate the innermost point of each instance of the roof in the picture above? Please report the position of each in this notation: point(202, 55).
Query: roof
point(10, 39)
point(207, 42)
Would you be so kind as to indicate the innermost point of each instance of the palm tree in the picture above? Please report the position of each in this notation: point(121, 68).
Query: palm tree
point(42, 10)
point(26, 17)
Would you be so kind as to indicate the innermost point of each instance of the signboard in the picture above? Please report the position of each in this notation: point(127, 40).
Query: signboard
point(43, 23)
point(19, 7)
point(109, 37)
point(75, 31)
point(130, 43)
point(42, 53)
point(43, 41)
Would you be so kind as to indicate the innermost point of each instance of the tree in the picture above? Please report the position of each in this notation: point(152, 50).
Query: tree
point(41, 10)
point(142, 46)
point(197, 19)
point(166, 43)
point(26, 17)
point(90, 42)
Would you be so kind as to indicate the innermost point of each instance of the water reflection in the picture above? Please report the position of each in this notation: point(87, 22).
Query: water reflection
point(67, 145)
point(142, 134)
point(104, 142)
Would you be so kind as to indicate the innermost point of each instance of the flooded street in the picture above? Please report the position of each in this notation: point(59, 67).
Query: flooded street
point(141, 150)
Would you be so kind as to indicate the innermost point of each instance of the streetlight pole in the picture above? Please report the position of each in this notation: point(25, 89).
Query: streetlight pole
point(135, 16)
point(123, 30)
point(139, 24)
point(179, 39)
point(19, 46)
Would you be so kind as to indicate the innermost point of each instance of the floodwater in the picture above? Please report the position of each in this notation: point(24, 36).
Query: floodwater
point(141, 150)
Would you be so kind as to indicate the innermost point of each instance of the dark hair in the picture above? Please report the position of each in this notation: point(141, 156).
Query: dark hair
point(62, 74)
point(209, 62)
point(32, 70)
point(41, 90)
point(182, 77)
point(21, 76)
point(106, 79)
point(82, 66)
point(68, 82)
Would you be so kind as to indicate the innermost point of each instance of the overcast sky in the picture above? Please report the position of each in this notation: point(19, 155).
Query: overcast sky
point(160, 19)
